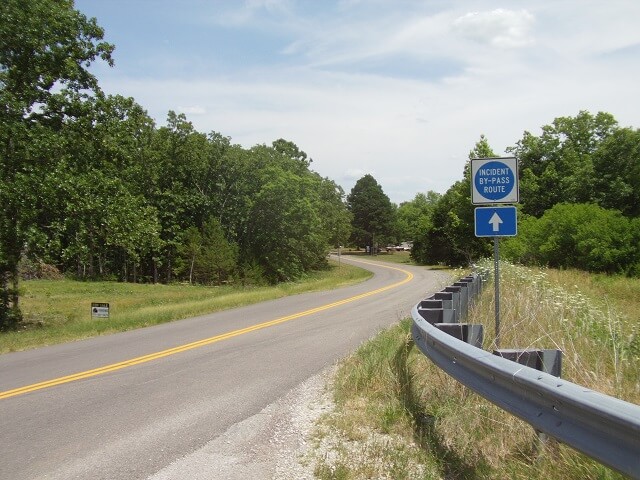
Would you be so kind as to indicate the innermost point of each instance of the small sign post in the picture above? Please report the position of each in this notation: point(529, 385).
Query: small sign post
point(99, 310)
point(495, 181)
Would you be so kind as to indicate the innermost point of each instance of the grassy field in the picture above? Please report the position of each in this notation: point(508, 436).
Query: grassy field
point(391, 257)
point(399, 416)
point(58, 311)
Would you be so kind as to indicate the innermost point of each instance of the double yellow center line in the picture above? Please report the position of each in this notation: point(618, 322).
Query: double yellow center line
point(200, 343)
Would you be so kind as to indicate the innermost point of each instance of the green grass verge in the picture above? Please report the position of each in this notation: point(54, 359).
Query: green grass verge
point(391, 257)
point(402, 258)
point(58, 311)
point(399, 416)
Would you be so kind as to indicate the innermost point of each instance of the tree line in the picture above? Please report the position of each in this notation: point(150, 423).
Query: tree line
point(92, 186)
point(579, 201)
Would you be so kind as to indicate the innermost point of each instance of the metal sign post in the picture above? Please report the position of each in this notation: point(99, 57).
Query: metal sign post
point(496, 275)
point(495, 181)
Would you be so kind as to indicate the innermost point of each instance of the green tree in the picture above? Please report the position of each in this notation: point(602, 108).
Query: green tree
point(88, 187)
point(43, 43)
point(333, 213)
point(414, 217)
point(290, 151)
point(206, 255)
point(451, 239)
point(482, 149)
point(557, 166)
point(616, 165)
point(584, 236)
point(285, 235)
point(188, 251)
point(373, 213)
point(218, 258)
point(98, 228)
point(183, 192)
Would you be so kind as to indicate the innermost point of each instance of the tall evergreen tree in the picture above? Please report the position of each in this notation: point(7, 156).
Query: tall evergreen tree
point(373, 213)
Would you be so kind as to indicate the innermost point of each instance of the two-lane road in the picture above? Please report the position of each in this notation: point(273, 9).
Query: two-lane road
point(125, 406)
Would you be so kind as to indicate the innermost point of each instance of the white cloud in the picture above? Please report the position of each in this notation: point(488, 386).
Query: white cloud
point(500, 28)
point(193, 110)
point(412, 132)
point(251, 12)
point(354, 174)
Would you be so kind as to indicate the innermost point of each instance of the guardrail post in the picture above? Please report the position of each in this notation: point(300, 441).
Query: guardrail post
point(436, 315)
point(552, 362)
point(467, 332)
point(447, 302)
point(548, 361)
point(464, 298)
point(472, 282)
point(455, 297)
point(477, 285)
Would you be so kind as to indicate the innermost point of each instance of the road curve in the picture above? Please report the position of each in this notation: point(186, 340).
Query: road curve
point(127, 405)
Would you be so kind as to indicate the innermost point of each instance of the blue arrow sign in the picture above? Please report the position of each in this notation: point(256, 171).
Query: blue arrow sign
point(496, 221)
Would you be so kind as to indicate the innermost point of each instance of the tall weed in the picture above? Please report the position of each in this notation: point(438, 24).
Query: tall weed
point(399, 416)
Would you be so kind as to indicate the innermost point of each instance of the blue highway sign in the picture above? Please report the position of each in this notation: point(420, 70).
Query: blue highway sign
point(496, 221)
point(494, 180)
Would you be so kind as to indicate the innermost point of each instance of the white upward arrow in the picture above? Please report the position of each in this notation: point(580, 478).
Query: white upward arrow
point(495, 221)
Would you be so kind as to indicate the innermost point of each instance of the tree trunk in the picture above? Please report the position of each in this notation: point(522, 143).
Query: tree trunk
point(155, 271)
point(10, 245)
point(169, 268)
point(193, 261)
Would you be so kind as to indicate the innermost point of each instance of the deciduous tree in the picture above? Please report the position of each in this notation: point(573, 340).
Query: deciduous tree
point(557, 166)
point(43, 44)
point(451, 239)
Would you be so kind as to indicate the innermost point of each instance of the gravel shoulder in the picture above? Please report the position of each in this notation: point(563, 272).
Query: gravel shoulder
point(273, 444)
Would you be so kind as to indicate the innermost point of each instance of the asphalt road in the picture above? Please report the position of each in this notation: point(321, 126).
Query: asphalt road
point(127, 405)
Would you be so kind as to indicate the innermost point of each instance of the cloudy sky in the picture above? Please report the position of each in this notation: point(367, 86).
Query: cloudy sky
point(400, 89)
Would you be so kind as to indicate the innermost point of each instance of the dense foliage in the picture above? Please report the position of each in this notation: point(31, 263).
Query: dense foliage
point(583, 235)
point(92, 186)
point(579, 201)
point(43, 44)
point(373, 213)
point(450, 236)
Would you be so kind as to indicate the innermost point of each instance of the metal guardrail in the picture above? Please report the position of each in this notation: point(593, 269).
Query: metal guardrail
point(602, 427)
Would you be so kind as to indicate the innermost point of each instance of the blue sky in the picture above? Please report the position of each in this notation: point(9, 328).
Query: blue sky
point(399, 89)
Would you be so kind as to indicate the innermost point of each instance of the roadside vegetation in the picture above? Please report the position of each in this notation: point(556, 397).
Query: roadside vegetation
point(399, 416)
point(57, 311)
point(401, 257)
point(579, 201)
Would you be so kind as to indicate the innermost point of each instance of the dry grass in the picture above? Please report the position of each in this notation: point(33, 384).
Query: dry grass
point(399, 416)
point(592, 319)
point(58, 311)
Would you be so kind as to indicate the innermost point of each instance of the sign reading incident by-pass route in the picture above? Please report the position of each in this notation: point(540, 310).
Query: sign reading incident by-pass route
point(494, 180)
